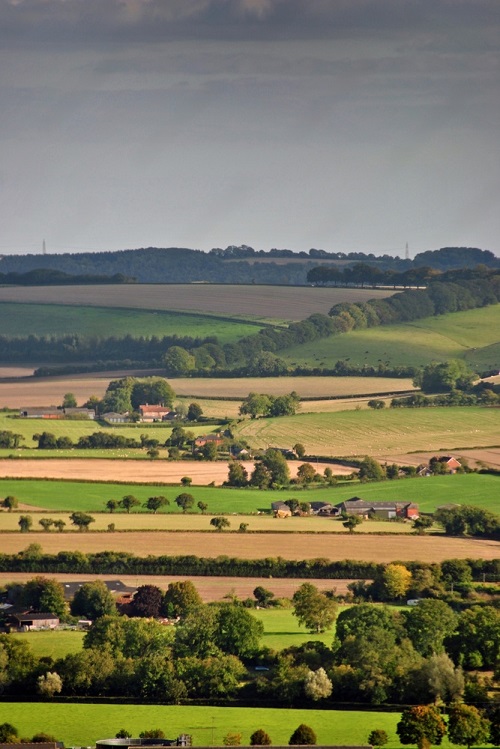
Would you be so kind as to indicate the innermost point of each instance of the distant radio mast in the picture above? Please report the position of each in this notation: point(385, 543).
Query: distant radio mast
point(44, 248)
point(407, 252)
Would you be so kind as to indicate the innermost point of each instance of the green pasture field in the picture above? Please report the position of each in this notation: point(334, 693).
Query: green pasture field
point(480, 490)
point(100, 322)
point(363, 432)
point(84, 724)
point(472, 335)
point(54, 643)
point(282, 630)
point(76, 428)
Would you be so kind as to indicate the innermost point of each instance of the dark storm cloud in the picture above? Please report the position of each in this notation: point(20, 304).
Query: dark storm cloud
point(88, 21)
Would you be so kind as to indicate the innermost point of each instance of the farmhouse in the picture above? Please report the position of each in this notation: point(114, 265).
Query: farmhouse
point(30, 621)
point(385, 510)
point(280, 510)
point(206, 439)
point(154, 413)
point(451, 463)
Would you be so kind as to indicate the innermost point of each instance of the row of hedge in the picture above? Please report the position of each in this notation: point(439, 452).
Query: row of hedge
point(111, 562)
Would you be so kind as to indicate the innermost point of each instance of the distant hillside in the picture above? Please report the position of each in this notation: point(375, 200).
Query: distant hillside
point(232, 265)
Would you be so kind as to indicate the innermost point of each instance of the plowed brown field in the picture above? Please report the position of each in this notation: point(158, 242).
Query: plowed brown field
point(258, 546)
point(275, 302)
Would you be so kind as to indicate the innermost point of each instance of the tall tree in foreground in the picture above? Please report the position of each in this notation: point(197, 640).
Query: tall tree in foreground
point(421, 725)
point(467, 727)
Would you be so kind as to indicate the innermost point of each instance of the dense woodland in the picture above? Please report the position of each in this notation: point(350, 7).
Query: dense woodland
point(232, 265)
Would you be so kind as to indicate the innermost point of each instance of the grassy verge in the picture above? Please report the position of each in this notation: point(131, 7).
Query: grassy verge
point(83, 724)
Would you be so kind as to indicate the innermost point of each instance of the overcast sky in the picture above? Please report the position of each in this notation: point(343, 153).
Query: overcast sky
point(336, 124)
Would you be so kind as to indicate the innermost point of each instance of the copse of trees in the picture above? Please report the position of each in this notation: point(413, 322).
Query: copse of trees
point(261, 404)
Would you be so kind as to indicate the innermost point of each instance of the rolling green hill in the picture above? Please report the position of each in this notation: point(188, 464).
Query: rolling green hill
point(473, 335)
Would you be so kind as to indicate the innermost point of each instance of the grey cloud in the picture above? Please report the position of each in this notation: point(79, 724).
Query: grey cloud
point(92, 21)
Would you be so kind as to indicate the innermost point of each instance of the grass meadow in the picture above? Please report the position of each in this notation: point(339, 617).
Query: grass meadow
point(58, 320)
point(83, 724)
point(388, 431)
point(53, 644)
point(480, 490)
point(471, 335)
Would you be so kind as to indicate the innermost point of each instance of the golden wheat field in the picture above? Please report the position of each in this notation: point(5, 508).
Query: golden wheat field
point(135, 471)
point(258, 302)
point(258, 546)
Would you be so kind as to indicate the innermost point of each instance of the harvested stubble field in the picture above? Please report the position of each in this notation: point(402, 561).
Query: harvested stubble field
point(489, 457)
point(270, 302)
point(471, 335)
point(306, 387)
point(229, 409)
point(143, 472)
point(259, 546)
point(197, 522)
point(385, 432)
point(50, 390)
point(209, 588)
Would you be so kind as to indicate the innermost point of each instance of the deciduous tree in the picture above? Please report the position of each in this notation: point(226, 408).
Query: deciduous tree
point(314, 609)
point(184, 501)
point(128, 502)
point(303, 736)
point(422, 725)
point(466, 726)
point(260, 738)
point(93, 600)
point(220, 523)
point(156, 503)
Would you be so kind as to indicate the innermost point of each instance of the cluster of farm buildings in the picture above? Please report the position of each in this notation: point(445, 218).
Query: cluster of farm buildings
point(147, 414)
point(355, 506)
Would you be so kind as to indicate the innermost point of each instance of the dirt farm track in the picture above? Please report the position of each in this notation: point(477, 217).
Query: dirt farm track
point(261, 545)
